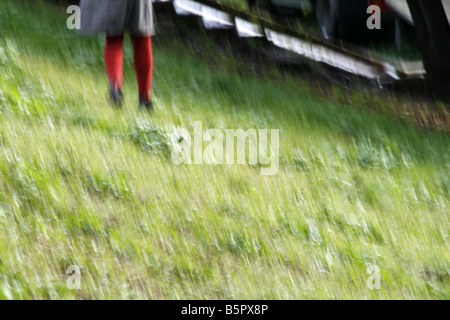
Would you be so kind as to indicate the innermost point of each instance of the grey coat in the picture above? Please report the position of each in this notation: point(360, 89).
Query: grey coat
point(113, 17)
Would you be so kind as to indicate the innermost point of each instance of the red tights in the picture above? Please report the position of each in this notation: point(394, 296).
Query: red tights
point(143, 62)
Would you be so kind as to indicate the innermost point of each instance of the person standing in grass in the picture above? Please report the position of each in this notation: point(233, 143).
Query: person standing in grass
point(113, 18)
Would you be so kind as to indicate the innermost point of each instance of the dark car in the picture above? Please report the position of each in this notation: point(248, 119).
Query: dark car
point(343, 19)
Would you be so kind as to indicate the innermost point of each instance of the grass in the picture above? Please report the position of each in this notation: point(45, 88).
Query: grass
point(238, 4)
point(84, 184)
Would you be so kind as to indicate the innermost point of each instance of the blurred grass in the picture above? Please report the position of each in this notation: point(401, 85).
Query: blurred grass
point(238, 4)
point(84, 184)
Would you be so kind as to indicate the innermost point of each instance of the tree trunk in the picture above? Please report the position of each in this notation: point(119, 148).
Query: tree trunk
point(433, 33)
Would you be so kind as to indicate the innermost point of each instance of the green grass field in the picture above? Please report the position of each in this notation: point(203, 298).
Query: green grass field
point(84, 184)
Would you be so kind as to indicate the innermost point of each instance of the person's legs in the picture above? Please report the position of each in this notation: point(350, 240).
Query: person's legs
point(114, 61)
point(143, 64)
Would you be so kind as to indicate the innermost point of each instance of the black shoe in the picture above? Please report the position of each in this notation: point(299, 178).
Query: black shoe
point(116, 97)
point(146, 104)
